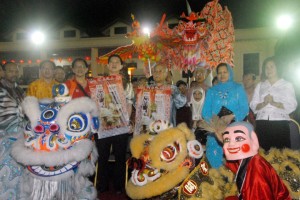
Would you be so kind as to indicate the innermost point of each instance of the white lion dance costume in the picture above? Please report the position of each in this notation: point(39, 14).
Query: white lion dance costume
point(57, 150)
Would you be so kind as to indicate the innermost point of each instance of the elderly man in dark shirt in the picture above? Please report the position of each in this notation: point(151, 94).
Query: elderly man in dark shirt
point(11, 96)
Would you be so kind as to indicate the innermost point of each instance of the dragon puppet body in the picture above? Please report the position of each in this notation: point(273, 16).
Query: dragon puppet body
point(57, 150)
point(203, 38)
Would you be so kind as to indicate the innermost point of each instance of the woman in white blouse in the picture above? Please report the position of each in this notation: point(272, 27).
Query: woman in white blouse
point(273, 100)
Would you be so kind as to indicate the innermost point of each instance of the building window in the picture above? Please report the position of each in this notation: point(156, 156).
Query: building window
point(21, 36)
point(69, 34)
point(30, 74)
point(251, 63)
point(121, 30)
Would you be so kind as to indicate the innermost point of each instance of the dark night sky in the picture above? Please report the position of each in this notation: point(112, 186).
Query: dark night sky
point(94, 14)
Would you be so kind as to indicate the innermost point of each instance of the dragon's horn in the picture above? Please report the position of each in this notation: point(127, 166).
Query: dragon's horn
point(188, 7)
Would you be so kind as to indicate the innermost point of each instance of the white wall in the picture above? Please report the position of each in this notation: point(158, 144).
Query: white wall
point(260, 40)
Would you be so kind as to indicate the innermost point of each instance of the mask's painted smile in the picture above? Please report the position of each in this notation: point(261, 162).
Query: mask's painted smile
point(233, 150)
point(44, 171)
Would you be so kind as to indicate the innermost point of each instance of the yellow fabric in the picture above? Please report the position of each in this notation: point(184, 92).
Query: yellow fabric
point(40, 89)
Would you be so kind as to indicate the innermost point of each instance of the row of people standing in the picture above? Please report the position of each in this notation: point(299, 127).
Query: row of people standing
point(12, 119)
point(271, 103)
point(51, 75)
point(78, 87)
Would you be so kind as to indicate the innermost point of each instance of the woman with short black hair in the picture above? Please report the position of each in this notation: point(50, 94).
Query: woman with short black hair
point(273, 100)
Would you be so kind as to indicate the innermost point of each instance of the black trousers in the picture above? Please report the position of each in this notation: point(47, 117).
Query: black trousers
point(273, 134)
point(119, 145)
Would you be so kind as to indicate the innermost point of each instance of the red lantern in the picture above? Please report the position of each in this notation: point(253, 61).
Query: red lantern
point(13, 61)
point(130, 56)
point(38, 61)
point(87, 58)
point(29, 61)
point(3, 62)
point(70, 59)
point(21, 61)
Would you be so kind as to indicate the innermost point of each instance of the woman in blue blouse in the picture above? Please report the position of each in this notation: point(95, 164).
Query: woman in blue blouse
point(229, 94)
point(226, 93)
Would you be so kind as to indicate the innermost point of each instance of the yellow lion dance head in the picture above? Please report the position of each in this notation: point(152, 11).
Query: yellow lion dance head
point(161, 160)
